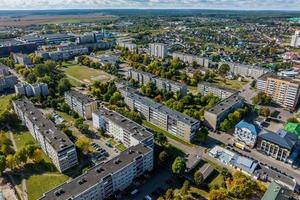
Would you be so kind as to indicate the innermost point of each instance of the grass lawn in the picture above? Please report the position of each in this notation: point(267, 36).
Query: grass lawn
point(66, 117)
point(166, 133)
point(198, 192)
point(230, 84)
point(83, 74)
point(121, 147)
point(39, 184)
point(4, 102)
point(193, 90)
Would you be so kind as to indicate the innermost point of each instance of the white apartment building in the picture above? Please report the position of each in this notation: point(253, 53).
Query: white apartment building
point(205, 88)
point(7, 80)
point(246, 133)
point(32, 90)
point(295, 41)
point(54, 143)
point(158, 50)
point(80, 103)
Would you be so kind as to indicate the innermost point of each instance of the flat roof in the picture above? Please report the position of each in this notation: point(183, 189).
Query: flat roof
point(96, 174)
point(57, 139)
point(137, 131)
point(80, 97)
point(276, 192)
point(225, 104)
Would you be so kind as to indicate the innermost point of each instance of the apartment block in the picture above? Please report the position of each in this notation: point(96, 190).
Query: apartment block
point(22, 59)
point(80, 103)
point(215, 115)
point(15, 46)
point(121, 128)
point(127, 43)
point(7, 80)
point(54, 143)
point(32, 90)
point(284, 91)
point(63, 53)
point(162, 84)
point(188, 58)
point(103, 180)
point(158, 50)
point(205, 88)
point(295, 41)
point(175, 122)
point(246, 70)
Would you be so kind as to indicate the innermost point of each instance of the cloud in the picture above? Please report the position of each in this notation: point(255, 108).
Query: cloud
point(201, 4)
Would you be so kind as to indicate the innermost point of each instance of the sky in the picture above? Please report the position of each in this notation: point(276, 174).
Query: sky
point(153, 4)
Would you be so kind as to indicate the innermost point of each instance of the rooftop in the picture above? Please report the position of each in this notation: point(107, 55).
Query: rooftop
point(214, 85)
point(226, 104)
point(136, 130)
point(252, 127)
point(96, 174)
point(281, 138)
point(246, 164)
point(276, 192)
point(293, 128)
point(55, 137)
point(84, 99)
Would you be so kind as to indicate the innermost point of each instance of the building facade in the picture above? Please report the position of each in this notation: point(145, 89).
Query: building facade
point(32, 90)
point(205, 88)
point(215, 115)
point(63, 53)
point(158, 50)
point(246, 132)
point(80, 103)
point(22, 59)
point(282, 90)
point(54, 143)
point(188, 58)
point(295, 41)
point(7, 80)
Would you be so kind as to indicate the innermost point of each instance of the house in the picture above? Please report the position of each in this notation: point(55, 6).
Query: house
point(246, 132)
point(278, 145)
point(277, 192)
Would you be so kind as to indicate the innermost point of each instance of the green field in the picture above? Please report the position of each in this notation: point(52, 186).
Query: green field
point(83, 19)
point(80, 74)
point(230, 84)
point(166, 133)
point(4, 102)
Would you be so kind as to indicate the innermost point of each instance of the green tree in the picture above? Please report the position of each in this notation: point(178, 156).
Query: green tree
point(179, 166)
point(21, 156)
point(185, 187)
point(37, 156)
point(163, 156)
point(198, 177)
point(83, 143)
point(223, 69)
point(2, 164)
point(169, 194)
point(293, 120)
point(264, 111)
point(11, 161)
point(64, 85)
point(217, 194)
point(160, 138)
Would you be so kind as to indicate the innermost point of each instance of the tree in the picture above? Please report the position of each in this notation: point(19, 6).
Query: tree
point(160, 138)
point(261, 99)
point(163, 156)
point(223, 69)
point(185, 187)
point(37, 155)
point(179, 166)
point(198, 177)
point(21, 156)
point(169, 194)
point(83, 143)
point(64, 85)
point(160, 198)
point(293, 120)
point(253, 84)
point(2, 164)
point(10, 161)
point(264, 111)
point(217, 194)
point(115, 98)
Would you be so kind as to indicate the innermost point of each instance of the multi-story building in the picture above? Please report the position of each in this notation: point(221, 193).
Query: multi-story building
point(162, 84)
point(32, 90)
point(63, 53)
point(22, 59)
point(158, 50)
point(188, 58)
point(80, 103)
point(176, 123)
point(121, 128)
point(127, 43)
point(54, 143)
point(103, 180)
point(295, 41)
point(246, 70)
point(215, 115)
point(284, 91)
point(15, 46)
point(246, 132)
point(7, 80)
point(278, 145)
point(205, 88)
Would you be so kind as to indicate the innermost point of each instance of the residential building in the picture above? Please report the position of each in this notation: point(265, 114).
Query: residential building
point(80, 103)
point(295, 41)
point(54, 143)
point(246, 70)
point(7, 80)
point(121, 128)
point(15, 46)
point(277, 192)
point(158, 50)
point(176, 123)
point(162, 84)
point(103, 180)
point(188, 58)
point(284, 91)
point(22, 59)
point(32, 90)
point(215, 115)
point(246, 132)
point(205, 88)
point(278, 145)
point(63, 52)
point(57, 38)
point(127, 43)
